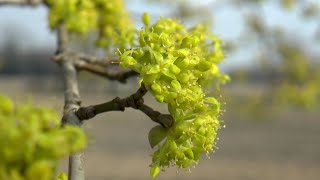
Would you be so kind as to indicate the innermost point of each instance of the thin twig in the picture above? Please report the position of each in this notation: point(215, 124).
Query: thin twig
point(109, 73)
point(99, 66)
point(117, 104)
point(96, 60)
point(21, 2)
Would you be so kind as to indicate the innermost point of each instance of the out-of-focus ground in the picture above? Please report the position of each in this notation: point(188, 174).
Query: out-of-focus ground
point(284, 148)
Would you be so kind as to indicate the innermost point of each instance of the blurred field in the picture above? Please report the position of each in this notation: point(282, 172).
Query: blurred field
point(285, 148)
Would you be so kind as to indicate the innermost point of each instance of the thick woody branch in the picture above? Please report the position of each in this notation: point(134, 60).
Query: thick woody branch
point(134, 101)
point(21, 2)
point(72, 101)
point(63, 39)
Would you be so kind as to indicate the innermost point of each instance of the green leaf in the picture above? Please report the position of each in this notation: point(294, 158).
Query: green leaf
point(156, 135)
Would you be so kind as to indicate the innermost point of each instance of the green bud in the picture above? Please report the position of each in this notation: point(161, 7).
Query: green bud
point(127, 61)
point(181, 52)
point(172, 95)
point(148, 79)
point(204, 65)
point(174, 69)
point(156, 88)
point(211, 100)
point(186, 42)
point(182, 62)
point(169, 74)
point(184, 77)
point(202, 130)
point(142, 41)
point(154, 171)
point(214, 70)
point(172, 145)
point(165, 39)
point(180, 156)
point(189, 154)
point(158, 56)
point(214, 109)
point(146, 19)
point(154, 69)
point(176, 85)
point(159, 98)
point(138, 53)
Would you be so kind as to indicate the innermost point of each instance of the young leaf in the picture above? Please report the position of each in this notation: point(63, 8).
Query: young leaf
point(156, 135)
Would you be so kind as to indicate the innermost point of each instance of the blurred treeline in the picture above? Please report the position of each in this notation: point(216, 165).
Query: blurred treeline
point(284, 57)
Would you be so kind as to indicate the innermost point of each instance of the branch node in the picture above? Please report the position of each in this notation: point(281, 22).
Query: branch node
point(85, 113)
point(166, 120)
point(71, 118)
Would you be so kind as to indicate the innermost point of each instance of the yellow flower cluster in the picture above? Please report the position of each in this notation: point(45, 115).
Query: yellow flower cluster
point(32, 141)
point(108, 17)
point(175, 63)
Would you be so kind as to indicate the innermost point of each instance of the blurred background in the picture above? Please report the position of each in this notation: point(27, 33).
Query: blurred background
point(270, 106)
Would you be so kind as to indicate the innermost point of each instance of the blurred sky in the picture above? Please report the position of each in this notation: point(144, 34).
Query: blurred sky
point(28, 26)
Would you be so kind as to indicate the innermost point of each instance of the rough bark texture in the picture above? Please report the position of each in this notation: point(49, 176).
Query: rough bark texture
point(134, 101)
point(72, 101)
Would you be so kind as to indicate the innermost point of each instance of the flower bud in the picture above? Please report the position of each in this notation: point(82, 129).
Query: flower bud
point(146, 19)
point(154, 171)
point(184, 77)
point(159, 98)
point(189, 154)
point(174, 69)
point(182, 62)
point(204, 65)
point(156, 88)
point(176, 85)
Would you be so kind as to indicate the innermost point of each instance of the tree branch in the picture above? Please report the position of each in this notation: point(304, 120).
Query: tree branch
point(96, 60)
point(111, 74)
point(134, 101)
point(21, 2)
point(72, 101)
point(100, 66)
